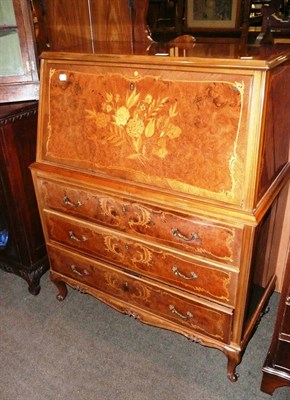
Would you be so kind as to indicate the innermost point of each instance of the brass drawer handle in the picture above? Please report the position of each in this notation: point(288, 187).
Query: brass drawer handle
point(74, 237)
point(68, 202)
point(77, 272)
point(177, 233)
point(188, 315)
point(176, 271)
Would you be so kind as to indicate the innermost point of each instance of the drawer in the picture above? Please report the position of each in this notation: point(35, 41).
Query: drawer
point(171, 305)
point(144, 258)
point(200, 237)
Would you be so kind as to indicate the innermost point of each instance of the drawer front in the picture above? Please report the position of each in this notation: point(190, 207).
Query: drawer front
point(145, 259)
point(178, 130)
point(200, 237)
point(199, 317)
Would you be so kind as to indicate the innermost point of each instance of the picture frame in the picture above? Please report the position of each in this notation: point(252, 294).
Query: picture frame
point(213, 14)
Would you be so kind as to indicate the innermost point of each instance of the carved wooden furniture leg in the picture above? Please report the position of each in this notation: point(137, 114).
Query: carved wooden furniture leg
point(34, 287)
point(234, 359)
point(62, 289)
point(33, 278)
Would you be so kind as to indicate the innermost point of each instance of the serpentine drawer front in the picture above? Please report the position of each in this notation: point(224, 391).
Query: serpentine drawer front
point(158, 181)
point(144, 258)
point(168, 304)
point(201, 237)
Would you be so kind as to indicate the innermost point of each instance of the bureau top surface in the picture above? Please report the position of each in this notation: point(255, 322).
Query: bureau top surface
point(182, 53)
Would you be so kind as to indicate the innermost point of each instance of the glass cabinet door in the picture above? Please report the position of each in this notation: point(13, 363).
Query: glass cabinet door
point(18, 69)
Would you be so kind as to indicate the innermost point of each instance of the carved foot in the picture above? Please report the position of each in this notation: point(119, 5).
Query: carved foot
point(62, 289)
point(234, 359)
point(233, 376)
point(34, 288)
point(33, 280)
point(32, 276)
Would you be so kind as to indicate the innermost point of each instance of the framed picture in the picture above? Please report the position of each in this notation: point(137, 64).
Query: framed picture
point(212, 14)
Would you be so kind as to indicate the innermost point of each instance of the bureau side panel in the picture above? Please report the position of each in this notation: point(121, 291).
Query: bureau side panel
point(275, 152)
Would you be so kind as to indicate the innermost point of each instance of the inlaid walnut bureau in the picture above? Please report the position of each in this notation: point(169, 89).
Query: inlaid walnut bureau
point(157, 180)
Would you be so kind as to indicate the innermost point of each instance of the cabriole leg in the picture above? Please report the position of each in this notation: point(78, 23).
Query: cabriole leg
point(234, 359)
point(62, 289)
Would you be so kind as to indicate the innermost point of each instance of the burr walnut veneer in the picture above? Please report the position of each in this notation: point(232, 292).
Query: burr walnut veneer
point(157, 179)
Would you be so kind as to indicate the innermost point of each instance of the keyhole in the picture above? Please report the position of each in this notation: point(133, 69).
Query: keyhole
point(132, 86)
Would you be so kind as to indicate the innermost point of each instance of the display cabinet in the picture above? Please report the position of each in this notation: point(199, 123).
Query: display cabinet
point(19, 79)
point(22, 248)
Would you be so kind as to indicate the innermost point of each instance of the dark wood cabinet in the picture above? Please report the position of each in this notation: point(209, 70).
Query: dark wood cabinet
point(25, 253)
point(276, 370)
point(22, 250)
point(80, 25)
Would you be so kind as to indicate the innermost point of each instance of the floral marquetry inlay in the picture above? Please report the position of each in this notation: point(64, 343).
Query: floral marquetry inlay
point(145, 123)
point(186, 134)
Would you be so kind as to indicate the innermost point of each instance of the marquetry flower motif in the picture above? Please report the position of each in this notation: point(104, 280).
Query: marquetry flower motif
point(146, 124)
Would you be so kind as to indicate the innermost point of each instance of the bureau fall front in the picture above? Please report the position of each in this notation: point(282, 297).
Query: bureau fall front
point(158, 179)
